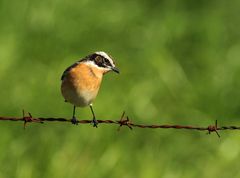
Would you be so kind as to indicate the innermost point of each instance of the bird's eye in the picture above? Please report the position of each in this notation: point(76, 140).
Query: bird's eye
point(98, 59)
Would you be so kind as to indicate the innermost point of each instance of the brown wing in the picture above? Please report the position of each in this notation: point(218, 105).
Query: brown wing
point(68, 69)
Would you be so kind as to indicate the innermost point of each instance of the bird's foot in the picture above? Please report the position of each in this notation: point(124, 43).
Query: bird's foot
point(95, 123)
point(74, 121)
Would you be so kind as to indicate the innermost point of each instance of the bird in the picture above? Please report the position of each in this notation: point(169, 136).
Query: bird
point(81, 81)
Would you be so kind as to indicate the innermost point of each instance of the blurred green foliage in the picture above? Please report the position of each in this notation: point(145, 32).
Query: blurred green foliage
point(180, 64)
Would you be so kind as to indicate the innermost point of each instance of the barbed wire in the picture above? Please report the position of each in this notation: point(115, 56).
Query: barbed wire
point(124, 121)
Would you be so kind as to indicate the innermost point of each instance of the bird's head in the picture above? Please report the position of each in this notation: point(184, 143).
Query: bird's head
point(103, 61)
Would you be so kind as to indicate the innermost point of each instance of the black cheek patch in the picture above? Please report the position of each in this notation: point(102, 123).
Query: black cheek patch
point(107, 63)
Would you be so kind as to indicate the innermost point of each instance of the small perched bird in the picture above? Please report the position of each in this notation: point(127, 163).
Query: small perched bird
point(81, 81)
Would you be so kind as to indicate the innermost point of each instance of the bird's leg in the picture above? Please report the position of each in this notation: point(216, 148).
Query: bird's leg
point(95, 122)
point(74, 120)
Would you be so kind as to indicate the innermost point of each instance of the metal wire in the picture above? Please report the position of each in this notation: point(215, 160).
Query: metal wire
point(124, 121)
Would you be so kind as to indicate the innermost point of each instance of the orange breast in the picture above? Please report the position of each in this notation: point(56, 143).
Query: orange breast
point(81, 84)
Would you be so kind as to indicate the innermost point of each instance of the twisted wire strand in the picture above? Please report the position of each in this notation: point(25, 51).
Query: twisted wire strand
point(124, 121)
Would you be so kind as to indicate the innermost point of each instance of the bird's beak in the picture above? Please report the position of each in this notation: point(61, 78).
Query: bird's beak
point(114, 69)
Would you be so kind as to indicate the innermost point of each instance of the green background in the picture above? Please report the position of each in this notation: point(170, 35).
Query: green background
point(179, 62)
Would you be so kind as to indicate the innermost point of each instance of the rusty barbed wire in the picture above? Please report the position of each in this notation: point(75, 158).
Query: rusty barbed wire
point(124, 121)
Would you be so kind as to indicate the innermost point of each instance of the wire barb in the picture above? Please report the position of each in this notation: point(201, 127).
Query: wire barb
point(213, 128)
point(29, 118)
point(124, 121)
